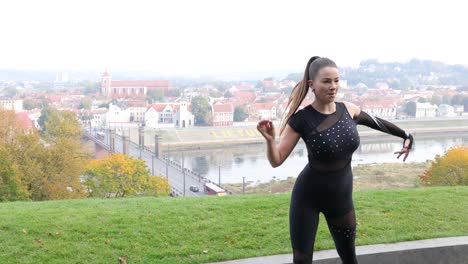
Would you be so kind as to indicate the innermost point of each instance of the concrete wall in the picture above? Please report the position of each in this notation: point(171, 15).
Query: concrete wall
point(451, 250)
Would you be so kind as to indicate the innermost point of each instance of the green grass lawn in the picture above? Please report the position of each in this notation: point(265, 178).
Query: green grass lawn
point(197, 230)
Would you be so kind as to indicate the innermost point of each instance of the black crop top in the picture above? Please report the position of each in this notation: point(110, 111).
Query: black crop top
point(329, 137)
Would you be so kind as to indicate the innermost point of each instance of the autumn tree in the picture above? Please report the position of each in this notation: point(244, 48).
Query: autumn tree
point(64, 160)
point(450, 169)
point(8, 126)
point(62, 125)
point(122, 176)
point(26, 153)
point(61, 165)
point(11, 187)
point(157, 186)
point(46, 168)
point(16, 148)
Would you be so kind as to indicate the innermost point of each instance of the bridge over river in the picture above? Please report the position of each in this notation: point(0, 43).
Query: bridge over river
point(182, 180)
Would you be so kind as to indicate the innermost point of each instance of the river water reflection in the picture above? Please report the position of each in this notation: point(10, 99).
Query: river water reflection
point(249, 161)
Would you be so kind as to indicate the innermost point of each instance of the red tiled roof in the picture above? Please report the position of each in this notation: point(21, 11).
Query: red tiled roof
point(158, 107)
point(249, 96)
point(268, 83)
point(226, 108)
point(158, 83)
point(244, 86)
point(23, 120)
point(378, 104)
point(54, 98)
point(265, 106)
point(33, 111)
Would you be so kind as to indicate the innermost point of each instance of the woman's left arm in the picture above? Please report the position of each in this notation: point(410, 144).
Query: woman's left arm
point(380, 124)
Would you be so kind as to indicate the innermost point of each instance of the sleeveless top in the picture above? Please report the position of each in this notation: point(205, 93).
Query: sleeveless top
point(331, 139)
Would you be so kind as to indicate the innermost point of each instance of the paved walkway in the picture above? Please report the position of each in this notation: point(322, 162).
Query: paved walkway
point(452, 250)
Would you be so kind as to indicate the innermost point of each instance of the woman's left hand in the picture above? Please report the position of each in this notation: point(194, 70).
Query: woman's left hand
point(405, 150)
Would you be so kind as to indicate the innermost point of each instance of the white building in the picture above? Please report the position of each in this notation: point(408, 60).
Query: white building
point(116, 116)
point(223, 114)
point(12, 104)
point(156, 116)
point(446, 110)
point(386, 109)
point(137, 114)
point(266, 110)
point(459, 109)
point(183, 117)
point(98, 118)
point(169, 115)
point(159, 115)
point(426, 110)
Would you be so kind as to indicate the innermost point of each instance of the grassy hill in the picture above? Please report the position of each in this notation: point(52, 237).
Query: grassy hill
point(197, 230)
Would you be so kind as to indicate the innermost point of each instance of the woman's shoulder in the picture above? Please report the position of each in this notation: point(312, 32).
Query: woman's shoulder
point(353, 109)
point(302, 111)
point(298, 118)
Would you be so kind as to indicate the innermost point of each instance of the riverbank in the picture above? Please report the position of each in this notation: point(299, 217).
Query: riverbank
point(219, 137)
point(366, 176)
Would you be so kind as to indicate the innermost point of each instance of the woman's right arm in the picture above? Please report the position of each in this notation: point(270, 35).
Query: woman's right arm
point(277, 153)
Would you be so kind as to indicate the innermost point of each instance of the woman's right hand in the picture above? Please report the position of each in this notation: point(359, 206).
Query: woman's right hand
point(267, 129)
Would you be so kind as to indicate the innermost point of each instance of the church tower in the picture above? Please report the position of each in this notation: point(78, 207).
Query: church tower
point(106, 84)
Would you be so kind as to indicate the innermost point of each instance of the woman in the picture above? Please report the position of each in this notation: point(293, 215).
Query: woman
point(328, 129)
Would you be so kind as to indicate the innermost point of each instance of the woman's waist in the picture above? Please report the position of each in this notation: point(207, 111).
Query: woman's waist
point(329, 165)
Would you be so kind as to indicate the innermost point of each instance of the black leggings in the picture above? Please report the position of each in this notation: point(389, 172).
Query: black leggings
point(303, 228)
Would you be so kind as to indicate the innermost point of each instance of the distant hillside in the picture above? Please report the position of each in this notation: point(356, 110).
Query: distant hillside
point(26, 75)
point(46, 75)
point(403, 75)
point(399, 75)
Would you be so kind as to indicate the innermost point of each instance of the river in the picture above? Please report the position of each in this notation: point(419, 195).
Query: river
point(249, 161)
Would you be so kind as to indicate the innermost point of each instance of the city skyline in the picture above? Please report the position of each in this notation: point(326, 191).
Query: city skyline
point(225, 37)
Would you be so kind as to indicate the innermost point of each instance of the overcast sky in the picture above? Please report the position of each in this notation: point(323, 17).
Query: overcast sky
point(226, 36)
